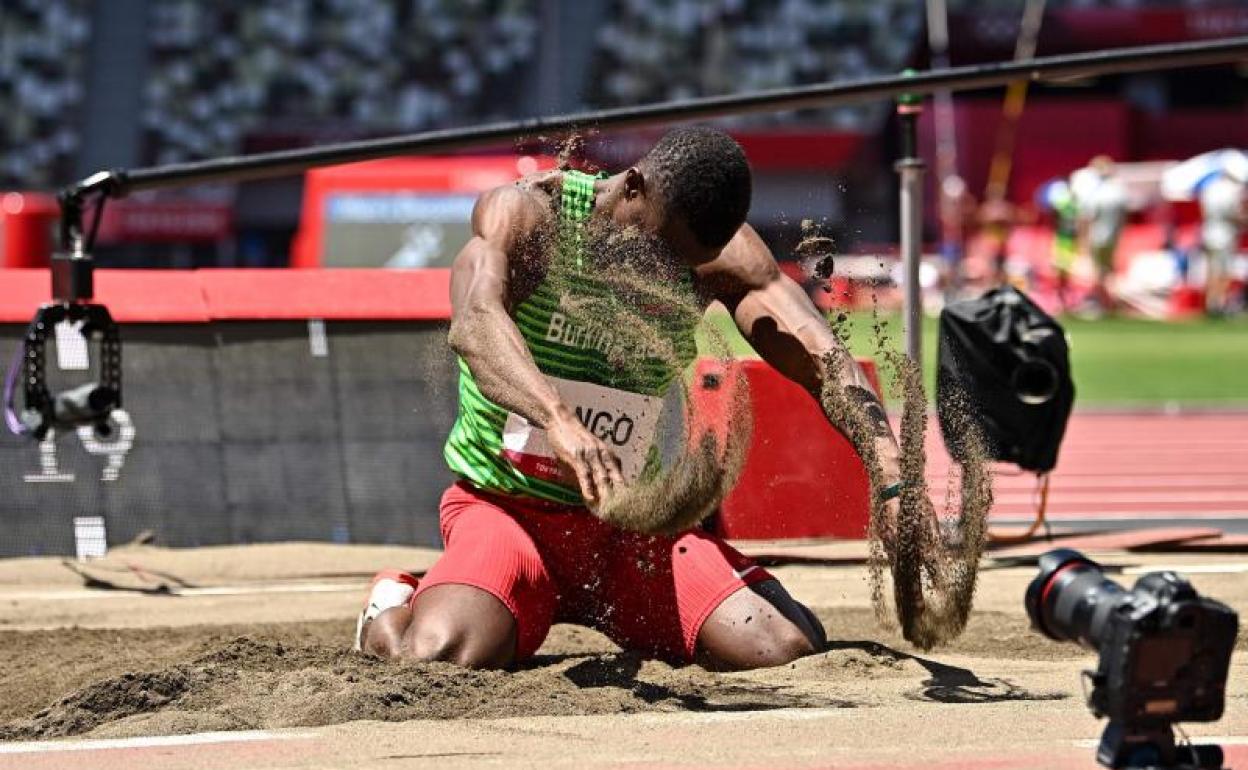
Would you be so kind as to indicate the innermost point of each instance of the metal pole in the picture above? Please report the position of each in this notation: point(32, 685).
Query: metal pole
point(950, 205)
point(117, 183)
point(942, 101)
point(1012, 109)
point(910, 168)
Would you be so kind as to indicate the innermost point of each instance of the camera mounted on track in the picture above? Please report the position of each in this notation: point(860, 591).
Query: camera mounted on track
point(1164, 656)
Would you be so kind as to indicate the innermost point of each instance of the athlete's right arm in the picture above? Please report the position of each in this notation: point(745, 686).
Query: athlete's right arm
point(506, 227)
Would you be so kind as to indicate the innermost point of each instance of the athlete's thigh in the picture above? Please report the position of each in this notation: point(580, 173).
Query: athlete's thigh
point(487, 549)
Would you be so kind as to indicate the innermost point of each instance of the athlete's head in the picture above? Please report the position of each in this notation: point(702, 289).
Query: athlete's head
point(692, 189)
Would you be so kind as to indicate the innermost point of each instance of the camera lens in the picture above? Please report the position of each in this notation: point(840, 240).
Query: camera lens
point(1034, 381)
point(1071, 599)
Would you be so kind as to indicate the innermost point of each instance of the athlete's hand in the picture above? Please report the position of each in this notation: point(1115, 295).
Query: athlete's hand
point(597, 468)
point(890, 513)
point(922, 525)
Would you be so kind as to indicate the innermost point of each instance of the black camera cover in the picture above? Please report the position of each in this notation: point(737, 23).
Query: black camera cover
point(1004, 361)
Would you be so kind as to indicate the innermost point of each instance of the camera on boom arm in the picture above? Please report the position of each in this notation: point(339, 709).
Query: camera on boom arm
point(86, 404)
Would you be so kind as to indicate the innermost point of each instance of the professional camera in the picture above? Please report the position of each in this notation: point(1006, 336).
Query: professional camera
point(1164, 655)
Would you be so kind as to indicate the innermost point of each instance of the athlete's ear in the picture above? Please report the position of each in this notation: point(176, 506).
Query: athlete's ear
point(634, 183)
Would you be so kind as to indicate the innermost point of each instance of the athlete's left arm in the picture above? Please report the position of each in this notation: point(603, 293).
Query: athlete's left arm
point(788, 331)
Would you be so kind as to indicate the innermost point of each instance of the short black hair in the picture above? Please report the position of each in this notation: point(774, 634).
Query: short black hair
point(704, 177)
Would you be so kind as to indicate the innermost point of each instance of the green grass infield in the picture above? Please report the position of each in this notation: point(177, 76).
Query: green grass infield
point(1116, 362)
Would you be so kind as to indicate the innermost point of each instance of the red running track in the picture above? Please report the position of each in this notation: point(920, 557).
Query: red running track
point(1119, 470)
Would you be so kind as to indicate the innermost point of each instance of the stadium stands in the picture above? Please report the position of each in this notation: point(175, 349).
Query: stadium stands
point(42, 54)
point(215, 73)
point(223, 69)
point(655, 50)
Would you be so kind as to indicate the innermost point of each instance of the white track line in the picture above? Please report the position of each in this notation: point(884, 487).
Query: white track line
point(1154, 499)
point(1224, 740)
point(1229, 481)
point(149, 741)
point(238, 590)
point(278, 588)
point(1222, 497)
point(1190, 569)
point(1192, 518)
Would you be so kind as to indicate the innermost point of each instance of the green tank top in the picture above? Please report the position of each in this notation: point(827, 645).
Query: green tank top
point(1066, 230)
point(615, 382)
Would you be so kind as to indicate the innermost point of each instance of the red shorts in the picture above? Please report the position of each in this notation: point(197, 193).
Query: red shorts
point(549, 564)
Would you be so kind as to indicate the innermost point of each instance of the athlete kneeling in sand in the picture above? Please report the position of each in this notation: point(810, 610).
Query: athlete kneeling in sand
point(523, 549)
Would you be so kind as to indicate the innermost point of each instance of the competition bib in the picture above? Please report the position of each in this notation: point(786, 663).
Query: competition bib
point(626, 422)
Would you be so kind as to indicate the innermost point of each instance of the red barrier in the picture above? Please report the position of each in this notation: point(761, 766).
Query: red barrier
point(355, 294)
point(27, 224)
point(200, 296)
point(801, 477)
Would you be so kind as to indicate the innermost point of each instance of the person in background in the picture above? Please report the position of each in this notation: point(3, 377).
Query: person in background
point(996, 222)
point(1222, 216)
point(1056, 198)
point(957, 225)
point(1102, 201)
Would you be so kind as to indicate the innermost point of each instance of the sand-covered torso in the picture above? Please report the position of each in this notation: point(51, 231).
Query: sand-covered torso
point(610, 331)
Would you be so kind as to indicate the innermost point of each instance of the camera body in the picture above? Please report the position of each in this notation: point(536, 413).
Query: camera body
point(1164, 652)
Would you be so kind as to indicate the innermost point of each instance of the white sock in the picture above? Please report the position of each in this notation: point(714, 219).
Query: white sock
point(386, 594)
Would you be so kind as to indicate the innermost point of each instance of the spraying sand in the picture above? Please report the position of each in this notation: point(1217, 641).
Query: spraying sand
point(933, 573)
point(932, 568)
point(651, 303)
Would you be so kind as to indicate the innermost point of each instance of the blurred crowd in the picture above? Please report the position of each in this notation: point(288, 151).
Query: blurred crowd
point(222, 69)
point(218, 72)
point(656, 50)
point(42, 55)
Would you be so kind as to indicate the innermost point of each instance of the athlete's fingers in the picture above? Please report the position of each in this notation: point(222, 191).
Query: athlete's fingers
point(615, 470)
point(602, 479)
point(584, 477)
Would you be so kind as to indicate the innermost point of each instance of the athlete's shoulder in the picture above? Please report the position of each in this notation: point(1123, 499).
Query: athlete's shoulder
point(520, 208)
point(745, 264)
point(543, 185)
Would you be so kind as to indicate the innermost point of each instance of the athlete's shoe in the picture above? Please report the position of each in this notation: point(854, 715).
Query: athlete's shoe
point(390, 588)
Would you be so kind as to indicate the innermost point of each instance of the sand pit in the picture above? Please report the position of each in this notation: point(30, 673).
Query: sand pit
point(161, 665)
point(205, 678)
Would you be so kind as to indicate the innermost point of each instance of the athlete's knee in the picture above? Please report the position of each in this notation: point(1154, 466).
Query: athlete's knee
point(764, 641)
point(383, 636)
point(787, 643)
point(434, 639)
point(444, 639)
point(795, 631)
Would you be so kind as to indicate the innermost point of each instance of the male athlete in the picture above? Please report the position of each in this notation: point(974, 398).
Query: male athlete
point(1221, 217)
point(1102, 202)
point(523, 548)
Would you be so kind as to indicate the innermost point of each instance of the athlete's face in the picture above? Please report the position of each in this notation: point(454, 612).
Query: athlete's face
point(633, 202)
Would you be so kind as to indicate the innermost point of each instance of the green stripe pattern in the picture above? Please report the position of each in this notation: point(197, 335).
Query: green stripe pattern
point(572, 333)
